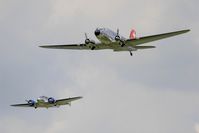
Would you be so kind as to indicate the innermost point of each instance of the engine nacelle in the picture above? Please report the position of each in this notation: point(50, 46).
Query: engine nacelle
point(87, 41)
point(51, 100)
point(31, 102)
point(91, 44)
point(117, 38)
point(132, 34)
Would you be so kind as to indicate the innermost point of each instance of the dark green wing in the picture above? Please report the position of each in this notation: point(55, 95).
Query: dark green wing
point(67, 100)
point(142, 40)
point(70, 46)
point(119, 48)
point(144, 47)
point(98, 46)
point(21, 105)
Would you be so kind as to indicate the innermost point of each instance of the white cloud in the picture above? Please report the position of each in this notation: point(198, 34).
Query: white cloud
point(197, 128)
point(80, 12)
point(154, 91)
point(12, 124)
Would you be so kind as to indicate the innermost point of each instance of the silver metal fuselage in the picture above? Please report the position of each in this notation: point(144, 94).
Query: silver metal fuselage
point(41, 102)
point(106, 36)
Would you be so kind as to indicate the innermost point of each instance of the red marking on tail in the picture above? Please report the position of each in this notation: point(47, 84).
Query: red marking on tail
point(132, 34)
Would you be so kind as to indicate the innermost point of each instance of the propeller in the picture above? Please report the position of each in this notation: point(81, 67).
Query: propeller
point(31, 102)
point(117, 37)
point(86, 35)
point(117, 32)
point(90, 42)
point(87, 41)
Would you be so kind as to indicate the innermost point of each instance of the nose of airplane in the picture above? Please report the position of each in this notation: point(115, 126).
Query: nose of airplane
point(97, 32)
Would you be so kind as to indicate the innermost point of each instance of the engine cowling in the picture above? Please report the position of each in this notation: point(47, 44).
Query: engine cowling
point(91, 44)
point(31, 102)
point(132, 34)
point(117, 38)
point(97, 32)
point(51, 100)
point(87, 41)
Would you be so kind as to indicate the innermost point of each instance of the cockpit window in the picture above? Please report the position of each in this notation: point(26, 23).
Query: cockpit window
point(43, 98)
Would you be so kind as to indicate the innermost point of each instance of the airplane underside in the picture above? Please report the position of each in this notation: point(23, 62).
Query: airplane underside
point(109, 39)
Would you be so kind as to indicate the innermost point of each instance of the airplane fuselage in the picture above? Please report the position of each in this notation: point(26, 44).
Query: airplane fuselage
point(106, 36)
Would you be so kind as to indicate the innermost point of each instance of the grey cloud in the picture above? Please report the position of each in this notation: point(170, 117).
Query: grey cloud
point(154, 91)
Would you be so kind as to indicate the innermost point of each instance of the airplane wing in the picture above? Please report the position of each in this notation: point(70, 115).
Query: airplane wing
point(118, 49)
point(46, 104)
point(114, 45)
point(98, 46)
point(68, 46)
point(21, 105)
point(144, 47)
point(146, 39)
point(67, 100)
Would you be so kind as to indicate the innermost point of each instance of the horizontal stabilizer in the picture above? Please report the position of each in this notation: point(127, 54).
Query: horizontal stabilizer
point(144, 47)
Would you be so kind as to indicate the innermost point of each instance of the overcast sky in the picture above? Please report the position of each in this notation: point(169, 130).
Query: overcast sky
point(155, 91)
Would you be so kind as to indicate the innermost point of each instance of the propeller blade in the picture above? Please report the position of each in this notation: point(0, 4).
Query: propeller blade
point(117, 32)
point(86, 36)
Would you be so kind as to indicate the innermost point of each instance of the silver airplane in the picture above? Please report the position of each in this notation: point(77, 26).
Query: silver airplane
point(47, 102)
point(113, 40)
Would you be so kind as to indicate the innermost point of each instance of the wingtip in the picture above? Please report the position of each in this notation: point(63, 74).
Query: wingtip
point(42, 46)
point(80, 97)
point(183, 31)
point(188, 30)
point(45, 46)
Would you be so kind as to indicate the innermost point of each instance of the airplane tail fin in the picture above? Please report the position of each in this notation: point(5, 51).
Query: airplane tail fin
point(132, 34)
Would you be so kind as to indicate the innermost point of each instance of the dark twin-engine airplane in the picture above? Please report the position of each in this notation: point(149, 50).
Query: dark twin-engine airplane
point(47, 102)
point(113, 40)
